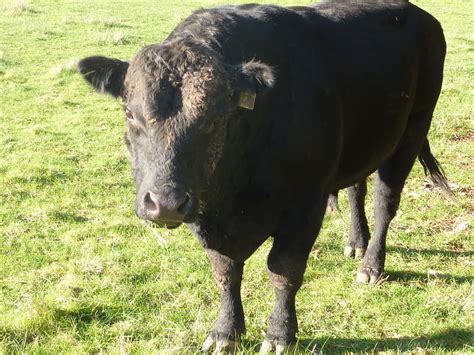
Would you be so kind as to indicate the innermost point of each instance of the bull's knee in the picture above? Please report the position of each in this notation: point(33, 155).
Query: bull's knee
point(227, 272)
point(283, 281)
point(285, 273)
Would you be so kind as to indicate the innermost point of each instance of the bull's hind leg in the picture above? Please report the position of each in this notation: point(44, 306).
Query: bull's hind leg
point(286, 266)
point(391, 176)
point(359, 234)
point(389, 183)
point(230, 324)
point(388, 186)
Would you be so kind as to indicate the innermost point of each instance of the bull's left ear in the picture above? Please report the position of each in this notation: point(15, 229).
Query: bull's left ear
point(106, 75)
point(252, 78)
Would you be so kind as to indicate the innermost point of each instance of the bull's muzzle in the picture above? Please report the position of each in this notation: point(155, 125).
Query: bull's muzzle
point(166, 209)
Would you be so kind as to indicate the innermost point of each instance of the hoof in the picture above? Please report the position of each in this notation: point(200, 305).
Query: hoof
point(269, 347)
point(331, 209)
point(219, 346)
point(266, 348)
point(352, 252)
point(362, 277)
point(371, 277)
point(359, 253)
point(349, 251)
point(332, 204)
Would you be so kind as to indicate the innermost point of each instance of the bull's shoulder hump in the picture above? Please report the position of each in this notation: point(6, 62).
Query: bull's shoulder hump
point(343, 10)
point(223, 23)
point(227, 14)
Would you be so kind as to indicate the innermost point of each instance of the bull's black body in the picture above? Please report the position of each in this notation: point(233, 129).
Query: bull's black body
point(351, 89)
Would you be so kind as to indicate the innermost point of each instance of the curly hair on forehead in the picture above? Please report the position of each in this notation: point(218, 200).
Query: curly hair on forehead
point(172, 58)
point(176, 75)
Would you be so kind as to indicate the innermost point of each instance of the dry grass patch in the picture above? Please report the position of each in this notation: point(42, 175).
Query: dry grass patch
point(116, 38)
point(18, 7)
point(68, 66)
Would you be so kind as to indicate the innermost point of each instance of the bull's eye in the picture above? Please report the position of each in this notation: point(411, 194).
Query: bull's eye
point(129, 115)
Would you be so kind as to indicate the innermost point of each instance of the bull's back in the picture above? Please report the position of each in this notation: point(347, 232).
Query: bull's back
point(348, 76)
point(385, 58)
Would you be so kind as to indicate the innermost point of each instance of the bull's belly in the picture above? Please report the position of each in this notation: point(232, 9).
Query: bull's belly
point(367, 148)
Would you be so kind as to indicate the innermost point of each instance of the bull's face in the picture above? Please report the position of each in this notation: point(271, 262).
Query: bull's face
point(177, 104)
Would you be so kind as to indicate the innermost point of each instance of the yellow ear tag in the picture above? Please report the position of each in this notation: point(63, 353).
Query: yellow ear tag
point(247, 99)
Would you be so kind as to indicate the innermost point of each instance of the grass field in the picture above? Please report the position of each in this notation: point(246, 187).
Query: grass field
point(79, 273)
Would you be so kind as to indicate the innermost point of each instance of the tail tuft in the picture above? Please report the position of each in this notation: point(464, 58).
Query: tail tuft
point(433, 168)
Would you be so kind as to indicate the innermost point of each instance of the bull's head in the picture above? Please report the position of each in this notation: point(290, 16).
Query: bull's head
point(177, 102)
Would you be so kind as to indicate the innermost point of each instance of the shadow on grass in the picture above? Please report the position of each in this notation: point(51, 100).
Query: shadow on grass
point(428, 252)
point(449, 340)
point(84, 316)
point(78, 320)
point(424, 277)
point(68, 217)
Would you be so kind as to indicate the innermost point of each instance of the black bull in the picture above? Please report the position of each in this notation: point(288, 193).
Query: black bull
point(245, 118)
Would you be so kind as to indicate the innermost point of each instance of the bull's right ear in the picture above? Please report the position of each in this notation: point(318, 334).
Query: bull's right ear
point(106, 75)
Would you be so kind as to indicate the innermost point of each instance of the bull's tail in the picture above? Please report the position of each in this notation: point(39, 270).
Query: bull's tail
point(433, 168)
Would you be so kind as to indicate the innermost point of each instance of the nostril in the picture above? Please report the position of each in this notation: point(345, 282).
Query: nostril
point(150, 204)
point(183, 207)
point(170, 207)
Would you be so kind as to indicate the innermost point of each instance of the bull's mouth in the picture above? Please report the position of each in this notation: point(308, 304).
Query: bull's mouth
point(167, 225)
point(173, 224)
point(159, 224)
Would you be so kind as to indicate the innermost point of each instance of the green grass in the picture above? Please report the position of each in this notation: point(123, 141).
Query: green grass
point(79, 273)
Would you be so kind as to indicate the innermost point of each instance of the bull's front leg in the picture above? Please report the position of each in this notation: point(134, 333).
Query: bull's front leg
point(286, 266)
point(230, 324)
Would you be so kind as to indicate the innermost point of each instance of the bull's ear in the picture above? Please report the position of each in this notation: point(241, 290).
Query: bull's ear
point(252, 78)
point(106, 75)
